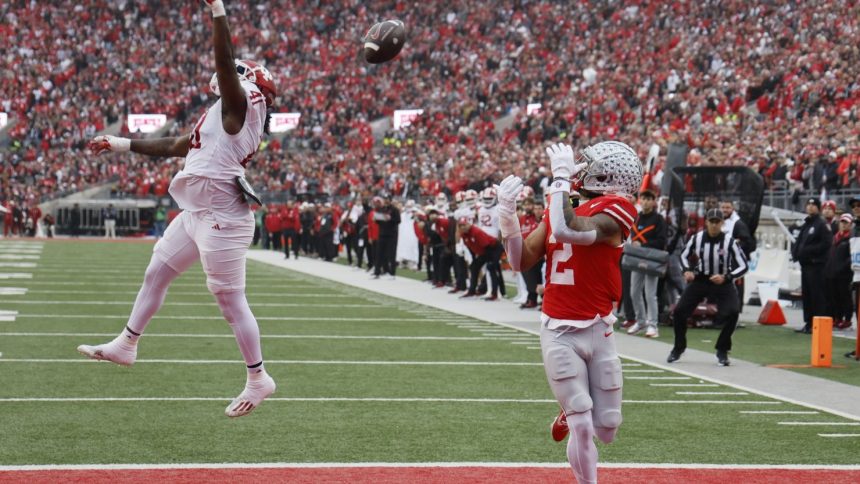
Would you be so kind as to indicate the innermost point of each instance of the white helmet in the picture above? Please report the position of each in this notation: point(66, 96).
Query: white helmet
point(459, 197)
point(488, 197)
point(470, 197)
point(442, 201)
point(613, 168)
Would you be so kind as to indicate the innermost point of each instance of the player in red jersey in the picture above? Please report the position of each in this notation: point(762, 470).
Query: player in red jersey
point(582, 247)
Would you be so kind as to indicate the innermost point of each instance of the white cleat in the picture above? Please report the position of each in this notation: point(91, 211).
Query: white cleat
point(251, 397)
point(637, 327)
point(113, 352)
point(652, 332)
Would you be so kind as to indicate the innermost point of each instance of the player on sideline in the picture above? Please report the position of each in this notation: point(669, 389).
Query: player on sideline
point(216, 224)
point(583, 284)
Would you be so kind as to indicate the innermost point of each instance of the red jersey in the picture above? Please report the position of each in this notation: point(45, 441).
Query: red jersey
point(583, 282)
point(478, 241)
point(528, 224)
point(443, 227)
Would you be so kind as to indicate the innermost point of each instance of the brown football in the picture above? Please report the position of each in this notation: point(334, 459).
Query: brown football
point(384, 41)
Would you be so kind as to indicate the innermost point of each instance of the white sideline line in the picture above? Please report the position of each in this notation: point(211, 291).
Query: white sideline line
point(644, 371)
point(283, 362)
point(12, 291)
point(839, 435)
point(19, 265)
point(397, 465)
point(523, 342)
point(264, 336)
point(106, 281)
point(100, 317)
point(19, 256)
point(843, 424)
point(205, 304)
point(781, 412)
point(683, 384)
point(358, 399)
point(711, 393)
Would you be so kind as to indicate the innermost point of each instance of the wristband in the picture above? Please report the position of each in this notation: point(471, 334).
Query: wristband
point(559, 185)
point(119, 144)
point(218, 9)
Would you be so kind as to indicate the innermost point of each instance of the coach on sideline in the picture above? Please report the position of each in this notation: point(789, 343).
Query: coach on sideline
point(711, 260)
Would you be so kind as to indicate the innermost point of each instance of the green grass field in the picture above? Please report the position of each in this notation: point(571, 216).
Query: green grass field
point(362, 378)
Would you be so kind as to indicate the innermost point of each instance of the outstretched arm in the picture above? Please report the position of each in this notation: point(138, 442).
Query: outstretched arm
point(522, 254)
point(233, 102)
point(165, 147)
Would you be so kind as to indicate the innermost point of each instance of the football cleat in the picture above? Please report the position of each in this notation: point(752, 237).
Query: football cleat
point(673, 357)
point(723, 358)
point(120, 354)
point(559, 428)
point(251, 397)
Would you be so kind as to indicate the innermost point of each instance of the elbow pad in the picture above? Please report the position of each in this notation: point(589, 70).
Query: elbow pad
point(561, 231)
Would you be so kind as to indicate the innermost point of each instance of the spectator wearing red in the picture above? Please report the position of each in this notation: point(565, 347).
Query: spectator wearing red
point(486, 250)
point(272, 224)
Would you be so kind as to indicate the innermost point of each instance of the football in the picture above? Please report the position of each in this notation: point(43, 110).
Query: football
point(384, 41)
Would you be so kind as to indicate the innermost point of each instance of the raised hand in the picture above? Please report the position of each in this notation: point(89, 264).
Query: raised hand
point(100, 144)
point(507, 192)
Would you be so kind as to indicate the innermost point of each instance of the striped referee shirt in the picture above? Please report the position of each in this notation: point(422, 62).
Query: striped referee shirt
point(709, 256)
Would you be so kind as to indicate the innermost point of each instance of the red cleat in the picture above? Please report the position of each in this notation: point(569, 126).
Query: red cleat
point(559, 427)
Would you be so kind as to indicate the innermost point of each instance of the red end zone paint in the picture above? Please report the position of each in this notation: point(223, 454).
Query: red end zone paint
point(431, 475)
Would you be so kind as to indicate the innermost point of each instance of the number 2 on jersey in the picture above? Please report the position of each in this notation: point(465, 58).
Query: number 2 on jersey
point(564, 277)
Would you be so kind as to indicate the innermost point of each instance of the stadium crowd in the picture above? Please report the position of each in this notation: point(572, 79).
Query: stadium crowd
point(777, 91)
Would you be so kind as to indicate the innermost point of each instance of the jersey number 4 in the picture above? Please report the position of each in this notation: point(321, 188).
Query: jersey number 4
point(564, 276)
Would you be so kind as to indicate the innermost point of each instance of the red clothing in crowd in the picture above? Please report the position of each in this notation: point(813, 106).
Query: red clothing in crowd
point(477, 240)
point(273, 221)
point(372, 227)
point(290, 219)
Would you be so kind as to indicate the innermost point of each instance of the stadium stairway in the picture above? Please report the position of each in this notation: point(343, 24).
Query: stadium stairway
point(818, 393)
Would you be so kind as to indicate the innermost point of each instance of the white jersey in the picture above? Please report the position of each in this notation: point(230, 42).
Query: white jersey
point(488, 220)
point(215, 158)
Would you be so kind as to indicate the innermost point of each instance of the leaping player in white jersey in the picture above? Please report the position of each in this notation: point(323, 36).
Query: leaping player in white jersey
point(216, 225)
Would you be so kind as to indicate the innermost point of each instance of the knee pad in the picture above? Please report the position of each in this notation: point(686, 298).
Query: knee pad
point(567, 382)
point(607, 394)
point(606, 435)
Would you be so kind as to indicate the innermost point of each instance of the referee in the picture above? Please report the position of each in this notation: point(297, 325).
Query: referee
point(711, 260)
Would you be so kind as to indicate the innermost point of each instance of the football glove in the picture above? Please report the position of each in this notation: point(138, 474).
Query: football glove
point(217, 7)
point(100, 144)
point(507, 192)
point(562, 163)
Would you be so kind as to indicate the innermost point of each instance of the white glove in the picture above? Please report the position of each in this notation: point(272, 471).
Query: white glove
point(562, 163)
point(100, 144)
point(217, 7)
point(507, 192)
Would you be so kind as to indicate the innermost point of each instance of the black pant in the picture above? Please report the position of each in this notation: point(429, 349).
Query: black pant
point(840, 303)
point(626, 299)
point(812, 287)
point(724, 296)
point(446, 260)
point(532, 279)
point(328, 250)
point(386, 253)
point(275, 238)
point(291, 241)
point(490, 257)
point(460, 272)
point(360, 247)
point(349, 245)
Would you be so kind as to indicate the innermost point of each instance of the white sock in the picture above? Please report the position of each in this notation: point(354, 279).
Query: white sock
point(581, 451)
point(234, 307)
point(151, 296)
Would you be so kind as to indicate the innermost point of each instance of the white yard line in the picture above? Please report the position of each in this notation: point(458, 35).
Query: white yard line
point(283, 362)
point(711, 393)
point(853, 436)
point(683, 384)
point(100, 317)
point(13, 291)
point(18, 265)
point(7, 256)
point(174, 303)
point(781, 412)
point(264, 336)
point(344, 399)
point(16, 275)
point(826, 424)
point(658, 378)
point(398, 465)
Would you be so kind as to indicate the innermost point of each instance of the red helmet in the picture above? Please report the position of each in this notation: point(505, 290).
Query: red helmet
point(252, 72)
